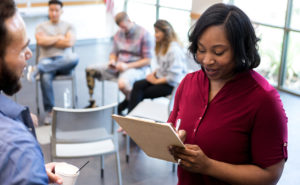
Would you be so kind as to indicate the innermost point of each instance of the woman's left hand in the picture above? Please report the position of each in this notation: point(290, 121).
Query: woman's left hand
point(191, 158)
point(151, 78)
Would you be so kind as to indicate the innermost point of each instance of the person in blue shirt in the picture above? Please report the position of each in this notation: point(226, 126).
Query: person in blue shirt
point(21, 158)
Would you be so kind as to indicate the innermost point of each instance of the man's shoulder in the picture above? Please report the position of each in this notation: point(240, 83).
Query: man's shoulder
point(65, 23)
point(43, 24)
point(14, 133)
point(137, 26)
point(61, 23)
point(19, 149)
point(9, 126)
point(141, 29)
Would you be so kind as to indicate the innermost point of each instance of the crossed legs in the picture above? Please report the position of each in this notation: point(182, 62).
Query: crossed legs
point(125, 80)
point(48, 68)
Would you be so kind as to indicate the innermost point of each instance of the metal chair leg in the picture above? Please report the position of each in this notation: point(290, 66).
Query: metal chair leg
point(102, 166)
point(127, 148)
point(103, 95)
point(74, 91)
point(37, 99)
point(118, 168)
point(173, 167)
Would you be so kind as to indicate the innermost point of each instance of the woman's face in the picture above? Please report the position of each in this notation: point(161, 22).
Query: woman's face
point(159, 35)
point(215, 54)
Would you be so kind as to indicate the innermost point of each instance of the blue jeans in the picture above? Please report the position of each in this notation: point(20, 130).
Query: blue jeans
point(48, 68)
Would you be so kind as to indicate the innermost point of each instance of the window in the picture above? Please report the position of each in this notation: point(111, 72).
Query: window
point(279, 30)
point(292, 69)
point(177, 12)
point(181, 26)
point(270, 52)
point(295, 15)
point(257, 11)
point(180, 4)
point(142, 14)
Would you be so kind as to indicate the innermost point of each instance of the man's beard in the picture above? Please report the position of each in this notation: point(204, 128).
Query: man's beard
point(9, 81)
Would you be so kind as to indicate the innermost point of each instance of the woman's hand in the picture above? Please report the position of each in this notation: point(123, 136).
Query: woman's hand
point(192, 158)
point(151, 78)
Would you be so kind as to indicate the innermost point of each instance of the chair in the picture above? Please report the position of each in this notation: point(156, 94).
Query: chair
point(157, 109)
point(69, 77)
point(85, 132)
point(103, 90)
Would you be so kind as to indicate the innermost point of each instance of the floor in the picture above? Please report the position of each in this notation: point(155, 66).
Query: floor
point(141, 170)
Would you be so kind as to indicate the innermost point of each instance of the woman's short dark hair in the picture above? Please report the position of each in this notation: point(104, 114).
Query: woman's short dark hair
point(55, 2)
point(239, 30)
point(7, 10)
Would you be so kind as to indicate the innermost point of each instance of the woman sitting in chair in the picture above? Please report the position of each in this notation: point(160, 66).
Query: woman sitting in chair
point(171, 67)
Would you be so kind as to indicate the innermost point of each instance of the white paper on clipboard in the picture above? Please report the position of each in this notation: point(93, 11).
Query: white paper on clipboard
point(152, 137)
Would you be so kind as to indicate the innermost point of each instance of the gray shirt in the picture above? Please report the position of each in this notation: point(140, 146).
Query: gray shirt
point(172, 65)
point(50, 29)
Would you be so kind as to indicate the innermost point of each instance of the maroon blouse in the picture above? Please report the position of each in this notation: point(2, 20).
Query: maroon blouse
point(245, 123)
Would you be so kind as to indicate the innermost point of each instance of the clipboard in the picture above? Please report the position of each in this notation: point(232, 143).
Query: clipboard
point(152, 137)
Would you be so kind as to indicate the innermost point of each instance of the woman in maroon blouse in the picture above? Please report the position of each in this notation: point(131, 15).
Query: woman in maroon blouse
point(232, 120)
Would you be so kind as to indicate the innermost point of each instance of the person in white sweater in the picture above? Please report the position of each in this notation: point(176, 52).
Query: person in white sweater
point(171, 66)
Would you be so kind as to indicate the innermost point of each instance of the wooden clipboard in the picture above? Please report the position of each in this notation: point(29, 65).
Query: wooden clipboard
point(152, 137)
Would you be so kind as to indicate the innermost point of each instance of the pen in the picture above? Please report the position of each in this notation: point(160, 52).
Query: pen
point(178, 124)
point(177, 127)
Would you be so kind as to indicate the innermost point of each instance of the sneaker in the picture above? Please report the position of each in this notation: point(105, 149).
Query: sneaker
point(122, 106)
point(48, 118)
point(91, 105)
point(31, 73)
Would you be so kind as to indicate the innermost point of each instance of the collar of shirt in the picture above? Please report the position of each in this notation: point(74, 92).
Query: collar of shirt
point(16, 112)
point(131, 31)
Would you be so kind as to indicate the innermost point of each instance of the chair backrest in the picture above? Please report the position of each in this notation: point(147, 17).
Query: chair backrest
point(83, 125)
point(157, 109)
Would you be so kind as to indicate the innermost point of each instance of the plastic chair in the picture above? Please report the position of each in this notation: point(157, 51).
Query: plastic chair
point(103, 90)
point(84, 133)
point(69, 77)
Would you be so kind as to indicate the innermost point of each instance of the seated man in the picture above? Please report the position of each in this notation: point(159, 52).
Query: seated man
point(55, 38)
point(133, 48)
point(21, 158)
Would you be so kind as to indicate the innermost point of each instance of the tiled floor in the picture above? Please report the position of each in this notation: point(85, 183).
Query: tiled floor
point(142, 170)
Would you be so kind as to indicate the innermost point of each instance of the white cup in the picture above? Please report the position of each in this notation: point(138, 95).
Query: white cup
point(67, 172)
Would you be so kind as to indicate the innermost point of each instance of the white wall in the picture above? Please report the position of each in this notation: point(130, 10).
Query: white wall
point(90, 21)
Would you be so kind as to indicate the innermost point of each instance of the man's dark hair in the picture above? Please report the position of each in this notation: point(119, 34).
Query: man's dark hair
point(55, 2)
point(7, 10)
point(9, 83)
point(239, 31)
